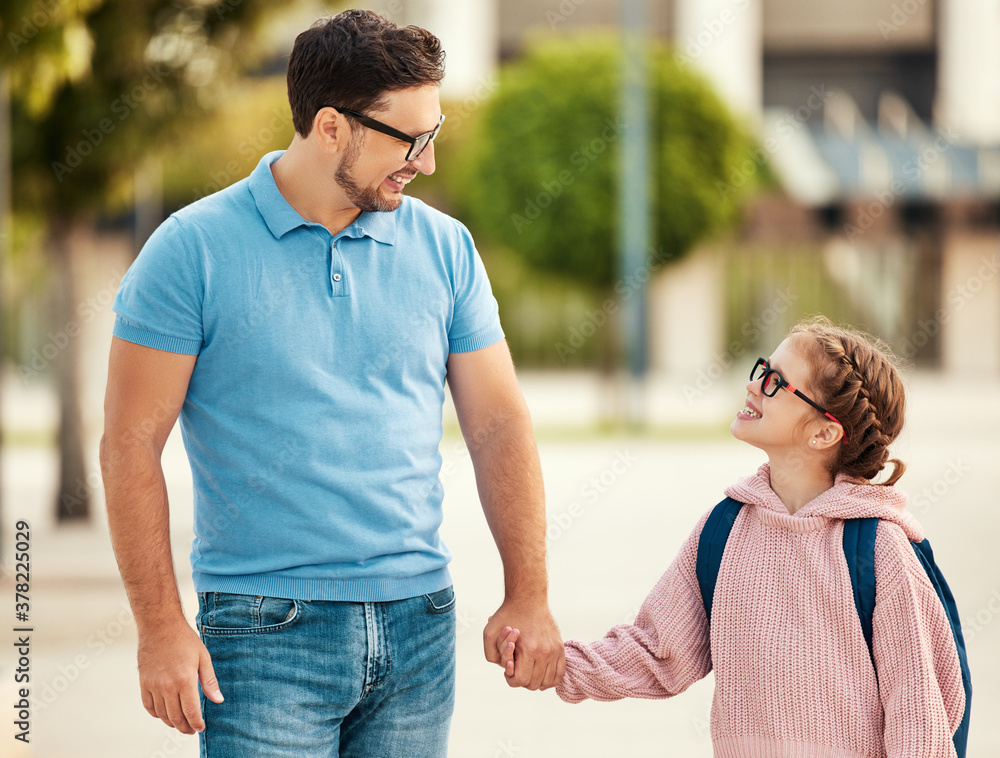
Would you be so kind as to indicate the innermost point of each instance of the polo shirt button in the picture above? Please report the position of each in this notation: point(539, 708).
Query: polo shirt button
point(336, 277)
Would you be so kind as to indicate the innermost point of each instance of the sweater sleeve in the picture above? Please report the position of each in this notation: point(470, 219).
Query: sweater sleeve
point(920, 679)
point(663, 653)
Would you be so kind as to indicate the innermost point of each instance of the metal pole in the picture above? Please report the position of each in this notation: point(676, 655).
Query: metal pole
point(634, 202)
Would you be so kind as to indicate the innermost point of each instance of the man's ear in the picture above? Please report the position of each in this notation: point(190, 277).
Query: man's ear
point(330, 130)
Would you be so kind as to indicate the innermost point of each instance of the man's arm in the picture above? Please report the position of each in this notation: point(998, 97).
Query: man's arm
point(497, 430)
point(146, 389)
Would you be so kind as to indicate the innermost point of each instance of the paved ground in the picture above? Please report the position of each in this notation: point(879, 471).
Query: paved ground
point(632, 517)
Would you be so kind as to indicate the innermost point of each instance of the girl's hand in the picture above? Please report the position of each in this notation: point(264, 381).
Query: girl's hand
point(505, 646)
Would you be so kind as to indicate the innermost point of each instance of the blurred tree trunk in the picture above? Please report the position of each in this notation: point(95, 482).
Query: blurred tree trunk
point(73, 495)
point(6, 225)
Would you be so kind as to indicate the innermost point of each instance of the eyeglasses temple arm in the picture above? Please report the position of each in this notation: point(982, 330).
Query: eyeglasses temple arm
point(822, 410)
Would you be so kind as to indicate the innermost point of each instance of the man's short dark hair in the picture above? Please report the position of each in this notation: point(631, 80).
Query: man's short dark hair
point(353, 59)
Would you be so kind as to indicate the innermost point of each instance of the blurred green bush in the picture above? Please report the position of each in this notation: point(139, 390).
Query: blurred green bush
point(538, 173)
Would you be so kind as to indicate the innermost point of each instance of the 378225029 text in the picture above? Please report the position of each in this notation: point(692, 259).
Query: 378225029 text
point(22, 640)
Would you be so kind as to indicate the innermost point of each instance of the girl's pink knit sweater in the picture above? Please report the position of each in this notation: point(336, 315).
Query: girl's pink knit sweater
point(793, 676)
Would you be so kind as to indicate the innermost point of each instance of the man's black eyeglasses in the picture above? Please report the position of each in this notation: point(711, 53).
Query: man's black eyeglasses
point(417, 144)
point(771, 381)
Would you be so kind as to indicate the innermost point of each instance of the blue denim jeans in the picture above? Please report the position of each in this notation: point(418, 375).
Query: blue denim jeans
point(304, 679)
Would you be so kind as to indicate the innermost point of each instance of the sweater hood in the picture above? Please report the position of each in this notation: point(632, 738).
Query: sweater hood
point(848, 498)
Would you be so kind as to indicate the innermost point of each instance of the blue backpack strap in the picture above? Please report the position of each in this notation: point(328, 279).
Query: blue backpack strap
point(859, 550)
point(711, 546)
point(926, 557)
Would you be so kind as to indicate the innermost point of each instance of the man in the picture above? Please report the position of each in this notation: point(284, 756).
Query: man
point(303, 323)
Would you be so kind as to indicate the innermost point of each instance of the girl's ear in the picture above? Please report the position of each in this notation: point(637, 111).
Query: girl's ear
point(827, 436)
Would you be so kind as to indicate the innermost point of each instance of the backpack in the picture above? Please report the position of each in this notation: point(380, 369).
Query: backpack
point(859, 550)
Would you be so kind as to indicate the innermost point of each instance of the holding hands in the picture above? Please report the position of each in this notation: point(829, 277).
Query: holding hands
point(505, 648)
point(540, 660)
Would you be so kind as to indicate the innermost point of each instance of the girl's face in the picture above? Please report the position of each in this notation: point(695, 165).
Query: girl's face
point(783, 422)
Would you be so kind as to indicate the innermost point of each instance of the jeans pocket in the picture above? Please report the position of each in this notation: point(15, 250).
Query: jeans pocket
point(224, 613)
point(441, 601)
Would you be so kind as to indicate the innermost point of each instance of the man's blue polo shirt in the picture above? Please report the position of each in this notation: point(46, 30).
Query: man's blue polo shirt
point(313, 418)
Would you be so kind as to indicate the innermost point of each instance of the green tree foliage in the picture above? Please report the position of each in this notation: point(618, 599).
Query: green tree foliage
point(98, 84)
point(540, 171)
point(96, 87)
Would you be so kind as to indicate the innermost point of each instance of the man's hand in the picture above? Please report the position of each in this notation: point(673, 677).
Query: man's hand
point(540, 659)
point(506, 646)
point(172, 660)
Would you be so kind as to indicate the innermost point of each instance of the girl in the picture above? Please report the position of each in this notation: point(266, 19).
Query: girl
point(793, 672)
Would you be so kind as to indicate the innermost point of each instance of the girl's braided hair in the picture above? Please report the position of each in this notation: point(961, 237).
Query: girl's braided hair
point(856, 377)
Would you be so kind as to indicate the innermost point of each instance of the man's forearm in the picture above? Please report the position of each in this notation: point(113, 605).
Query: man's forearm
point(139, 519)
point(509, 479)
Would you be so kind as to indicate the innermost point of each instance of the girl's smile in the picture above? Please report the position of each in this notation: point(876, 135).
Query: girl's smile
point(750, 412)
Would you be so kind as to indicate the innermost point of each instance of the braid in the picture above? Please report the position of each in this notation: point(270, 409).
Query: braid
point(857, 379)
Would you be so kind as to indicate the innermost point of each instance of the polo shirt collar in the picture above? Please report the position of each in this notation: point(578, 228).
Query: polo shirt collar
point(281, 217)
point(380, 226)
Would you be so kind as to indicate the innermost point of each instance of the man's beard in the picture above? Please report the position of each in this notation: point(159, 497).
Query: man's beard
point(367, 199)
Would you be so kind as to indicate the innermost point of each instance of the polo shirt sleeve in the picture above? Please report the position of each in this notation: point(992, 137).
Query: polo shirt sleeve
point(476, 319)
point(159, 302)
